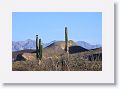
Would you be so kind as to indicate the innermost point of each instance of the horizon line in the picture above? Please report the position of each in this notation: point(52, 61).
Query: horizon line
point(59, 40)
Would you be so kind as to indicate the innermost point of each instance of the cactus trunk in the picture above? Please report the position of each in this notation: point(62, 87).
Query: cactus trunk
point(40, 49)
point(41, 52)
point(66, 40)
point(37, 55)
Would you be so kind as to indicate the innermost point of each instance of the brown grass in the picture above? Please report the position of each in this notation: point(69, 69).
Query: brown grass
point(58, 63)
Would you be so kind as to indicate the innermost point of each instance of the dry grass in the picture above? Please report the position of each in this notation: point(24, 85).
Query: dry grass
point(63, 62)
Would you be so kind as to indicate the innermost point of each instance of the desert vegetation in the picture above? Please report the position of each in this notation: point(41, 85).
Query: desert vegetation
point(55, 64)
point(75, 62)
point(59, 56)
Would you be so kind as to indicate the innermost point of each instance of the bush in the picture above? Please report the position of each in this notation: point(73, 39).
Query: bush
point(58, 63)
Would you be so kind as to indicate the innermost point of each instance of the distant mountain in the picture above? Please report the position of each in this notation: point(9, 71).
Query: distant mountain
point(21, 45)
point(27, 44)
point(87, 45)
point(31, 44)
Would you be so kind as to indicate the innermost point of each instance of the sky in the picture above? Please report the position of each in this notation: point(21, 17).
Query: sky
point(82, 26)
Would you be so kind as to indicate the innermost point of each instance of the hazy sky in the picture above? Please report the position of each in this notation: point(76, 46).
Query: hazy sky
point(82, 26)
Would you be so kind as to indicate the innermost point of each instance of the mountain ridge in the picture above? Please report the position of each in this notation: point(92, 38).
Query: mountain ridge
point(31, 44)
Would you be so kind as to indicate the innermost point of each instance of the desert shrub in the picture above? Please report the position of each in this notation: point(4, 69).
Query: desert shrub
point(63, 62)
point(24, 65)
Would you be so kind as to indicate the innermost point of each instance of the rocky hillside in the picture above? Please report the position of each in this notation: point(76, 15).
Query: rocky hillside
point(56, 59)
point(57, 49)
point(81, 61)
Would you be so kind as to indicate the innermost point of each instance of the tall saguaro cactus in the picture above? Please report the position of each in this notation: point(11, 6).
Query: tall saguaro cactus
point(40, 49)
point(37, 55)
point(66, 40)
point(41, 52)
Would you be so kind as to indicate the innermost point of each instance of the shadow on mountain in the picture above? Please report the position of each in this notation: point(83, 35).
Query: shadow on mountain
point(94, 57)
point(76, 49)
point(19, 58)
point(17, 55)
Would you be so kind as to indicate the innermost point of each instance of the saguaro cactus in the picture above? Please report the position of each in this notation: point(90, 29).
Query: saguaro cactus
point(66, 40)
point(41, 52)
point(40, 49)
point(37, 55)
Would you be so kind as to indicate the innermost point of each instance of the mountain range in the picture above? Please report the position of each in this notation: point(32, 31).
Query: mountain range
point(31, 44)
point(87, 45)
